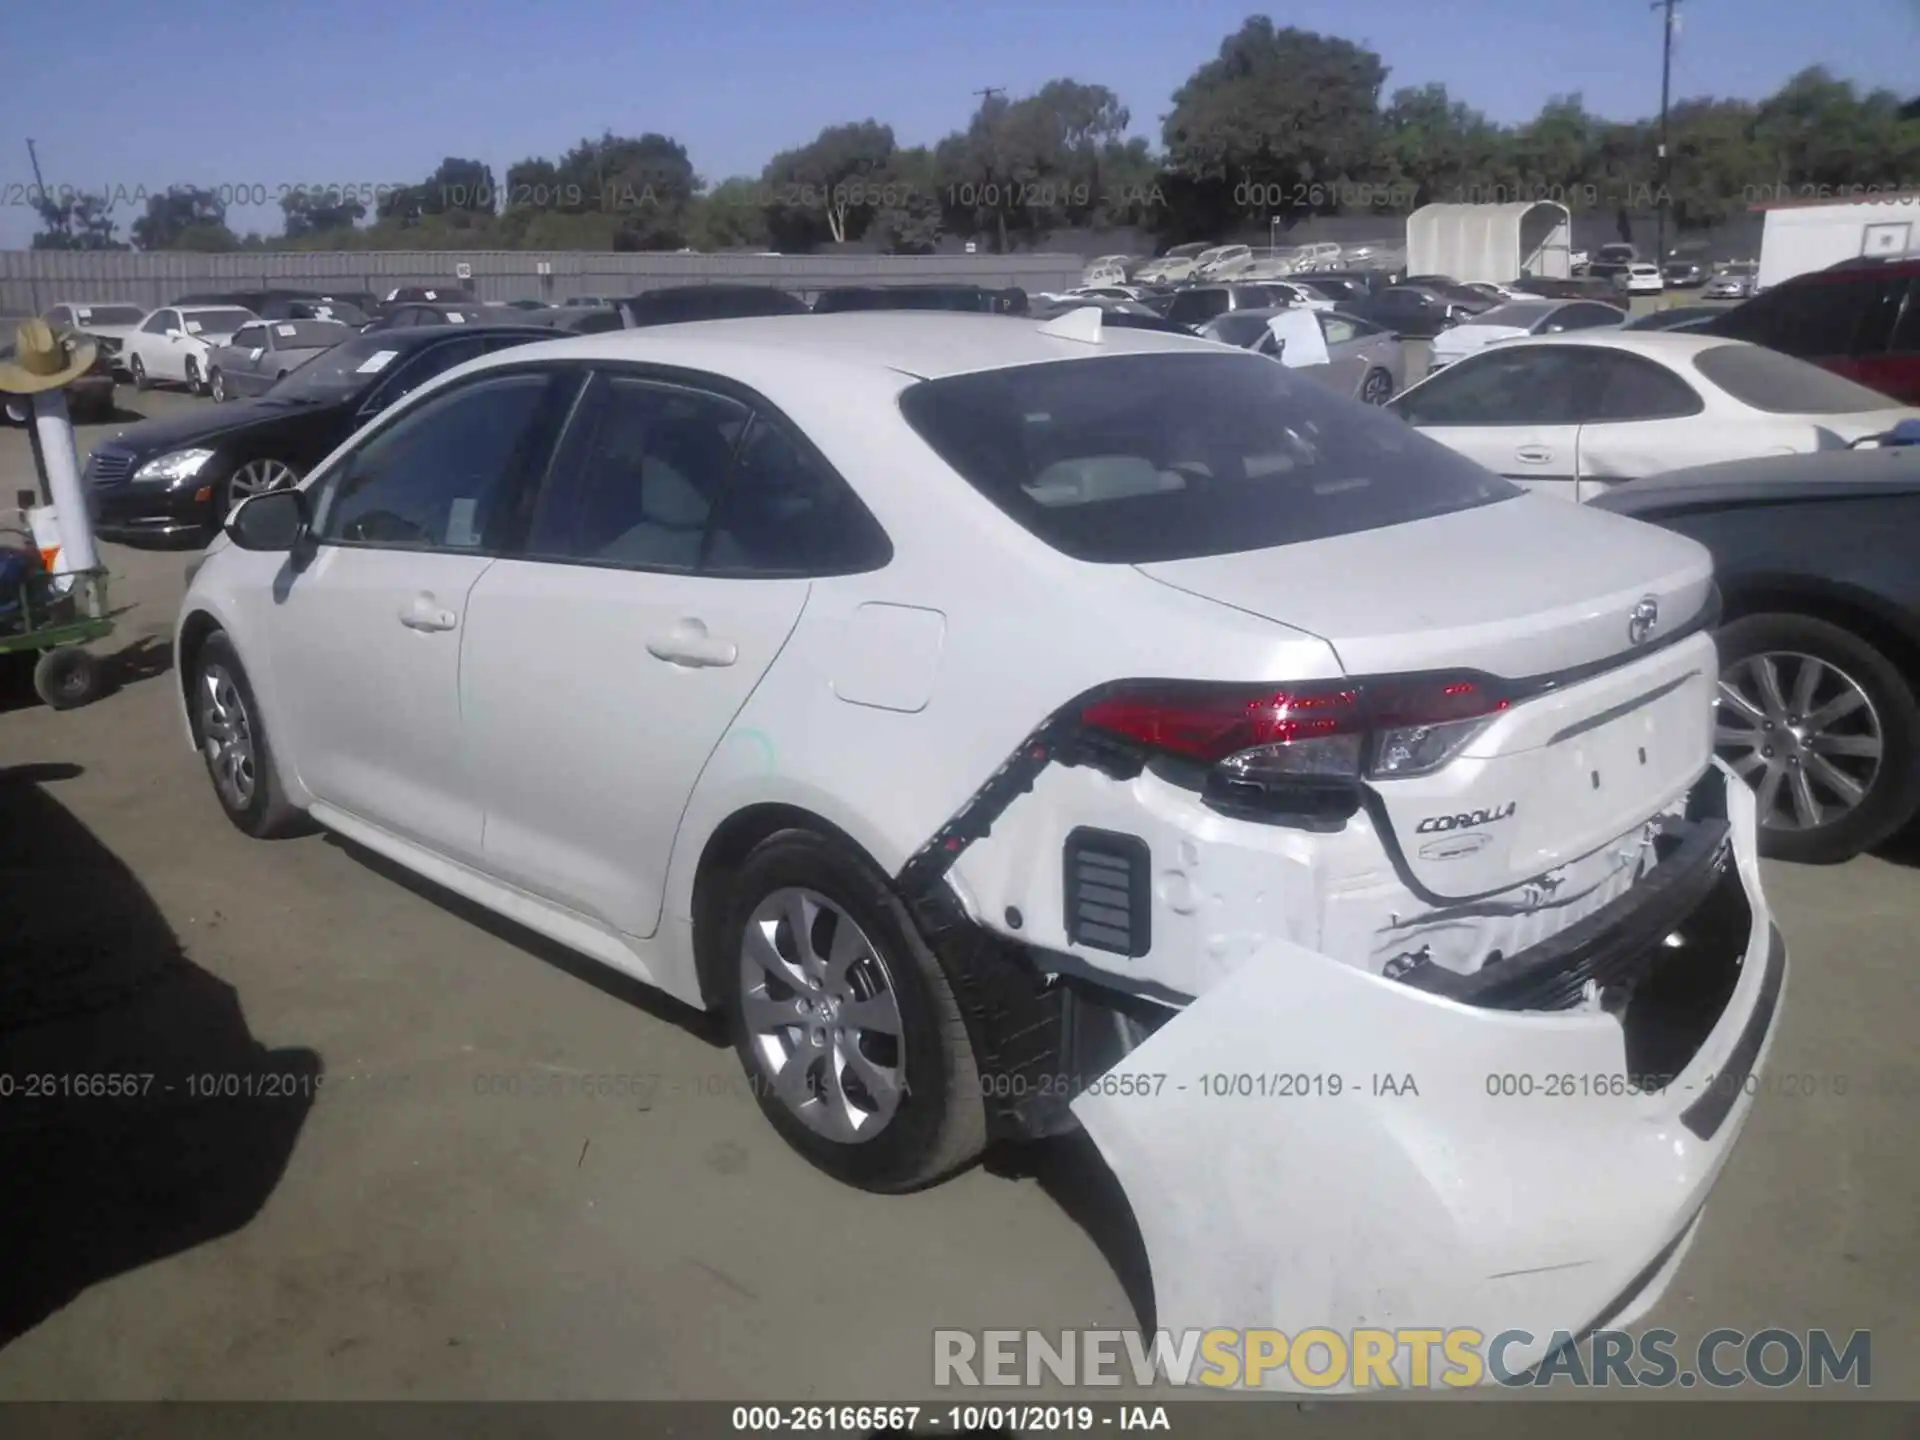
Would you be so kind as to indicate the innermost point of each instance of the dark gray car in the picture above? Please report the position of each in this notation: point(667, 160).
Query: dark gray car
point(260, 354)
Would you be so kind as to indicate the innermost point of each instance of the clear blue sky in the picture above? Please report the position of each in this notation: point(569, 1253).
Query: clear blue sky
point(126, 93)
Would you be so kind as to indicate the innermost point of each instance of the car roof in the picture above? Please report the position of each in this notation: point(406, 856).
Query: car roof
point(924, 344)
point(1656, 344)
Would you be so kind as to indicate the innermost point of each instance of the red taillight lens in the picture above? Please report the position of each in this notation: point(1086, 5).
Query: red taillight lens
point(1210, 724)
point(1387, 728)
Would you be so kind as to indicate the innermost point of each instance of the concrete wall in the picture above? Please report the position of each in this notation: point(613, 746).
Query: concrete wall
point(33, 280)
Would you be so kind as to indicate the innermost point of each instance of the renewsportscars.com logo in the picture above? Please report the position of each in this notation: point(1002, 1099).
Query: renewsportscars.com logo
point(1379, 1359)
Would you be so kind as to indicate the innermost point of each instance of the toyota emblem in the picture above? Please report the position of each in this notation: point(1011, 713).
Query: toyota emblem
point(1641, 623)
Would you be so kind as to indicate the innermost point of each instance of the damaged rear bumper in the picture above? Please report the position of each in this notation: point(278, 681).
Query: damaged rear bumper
point(1312, 1146)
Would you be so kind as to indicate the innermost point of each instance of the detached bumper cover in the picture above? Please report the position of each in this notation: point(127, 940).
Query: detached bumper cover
point(1310, 1145)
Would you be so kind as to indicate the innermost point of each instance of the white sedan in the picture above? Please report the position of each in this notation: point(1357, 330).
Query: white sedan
point(1517, 318)
point(1011, 726)
point(1641, 278)
point(1570, 415)
point(175, 345)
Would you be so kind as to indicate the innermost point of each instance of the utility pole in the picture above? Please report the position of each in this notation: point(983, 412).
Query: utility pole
point(38, 183)
point(986, 93)
point(1660, 165)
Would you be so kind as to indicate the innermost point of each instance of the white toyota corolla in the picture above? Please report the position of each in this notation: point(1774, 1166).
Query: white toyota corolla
point(1013, 726)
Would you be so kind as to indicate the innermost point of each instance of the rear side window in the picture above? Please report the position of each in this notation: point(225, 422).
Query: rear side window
point(1632, 387)
point(787, 513)
point(1128, 459)
point(1782, 385)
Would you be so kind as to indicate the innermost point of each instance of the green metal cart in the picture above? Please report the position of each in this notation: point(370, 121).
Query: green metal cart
point(40, 614)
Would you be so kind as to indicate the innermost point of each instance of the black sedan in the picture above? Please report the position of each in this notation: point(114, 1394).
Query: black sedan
point(1413, 311)
point(409, 314)
point(175, 477)
point(675, 304)
point(1820, 650)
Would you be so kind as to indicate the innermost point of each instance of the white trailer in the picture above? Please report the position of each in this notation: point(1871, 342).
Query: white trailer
point(1497, 243)
point(1797, 237)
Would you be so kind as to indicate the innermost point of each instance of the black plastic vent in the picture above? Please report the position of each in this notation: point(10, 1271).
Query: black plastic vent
point(1107, 900)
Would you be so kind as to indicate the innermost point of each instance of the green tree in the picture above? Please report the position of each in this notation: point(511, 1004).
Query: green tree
point(731, 216)
point(78, 222)
point(1287, 114)
point(826, 189)
point(184, 218)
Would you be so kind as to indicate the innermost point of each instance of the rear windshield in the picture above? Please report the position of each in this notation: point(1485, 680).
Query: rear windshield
point(217, 322)
point(1128, 459)
point(1521, 314)
point(1782, 385)
point(108, 314)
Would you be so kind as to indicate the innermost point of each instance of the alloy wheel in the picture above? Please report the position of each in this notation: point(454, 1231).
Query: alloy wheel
point(219, 384)
point(1803, 733)
point(226, 737)
point(256, 477)
point(823, 1019)
point(1377, 389)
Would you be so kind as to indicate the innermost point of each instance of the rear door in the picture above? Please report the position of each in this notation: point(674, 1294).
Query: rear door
point(1639, 418)
point(1347, 354)
point(1513, 409)
point(666, 562)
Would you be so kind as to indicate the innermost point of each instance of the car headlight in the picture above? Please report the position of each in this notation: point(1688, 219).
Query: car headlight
point(173, 468)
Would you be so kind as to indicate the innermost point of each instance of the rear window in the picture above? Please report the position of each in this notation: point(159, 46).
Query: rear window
point(1129, 459)
point(1521, 314)
point(1782, 385)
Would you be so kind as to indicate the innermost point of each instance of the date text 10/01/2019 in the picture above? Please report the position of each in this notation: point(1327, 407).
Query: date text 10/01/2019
point(953, 1419)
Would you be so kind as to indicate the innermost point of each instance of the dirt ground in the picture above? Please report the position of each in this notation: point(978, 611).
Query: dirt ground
point(420, 1231)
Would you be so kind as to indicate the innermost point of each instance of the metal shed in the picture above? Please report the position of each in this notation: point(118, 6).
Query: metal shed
point(1495, 243)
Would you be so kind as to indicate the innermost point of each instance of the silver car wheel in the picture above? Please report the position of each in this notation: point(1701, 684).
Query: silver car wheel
point(1803, 733)
point(256, 477)
point(219, 385)
point(1377, 388)
point(822, 1017)
point(226, 737)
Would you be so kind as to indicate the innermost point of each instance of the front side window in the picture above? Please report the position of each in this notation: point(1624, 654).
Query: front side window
point(1129, 459)
point(440, 478)
point(161, 323)
point(1539, 385)
point(248, 337)
point(637, 477)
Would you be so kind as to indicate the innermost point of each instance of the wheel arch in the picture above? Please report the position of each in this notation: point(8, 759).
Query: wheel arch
point(730, 843)
point(195, 627)
point(1880, 624)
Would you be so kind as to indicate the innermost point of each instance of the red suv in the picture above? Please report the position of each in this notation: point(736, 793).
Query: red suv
point(1860, 318)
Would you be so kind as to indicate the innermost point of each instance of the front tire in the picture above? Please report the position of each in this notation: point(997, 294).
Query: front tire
point(844, 1020)
point(137, 368)
point(1377, 388)
point(1826, 730)
point(233, 742)
point(194, 385)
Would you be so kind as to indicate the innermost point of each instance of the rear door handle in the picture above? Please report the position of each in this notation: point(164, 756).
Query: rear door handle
point(1533, 455)
point(691, 646)
point(424, 613)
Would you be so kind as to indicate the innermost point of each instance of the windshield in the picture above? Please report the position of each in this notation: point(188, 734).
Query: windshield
point(108, 314)
point(1782, 385)
point(1616, 252)
point(216, 322)
point(1521, 314)
point(340, 373)
point(1129, 459)
point(344, 311)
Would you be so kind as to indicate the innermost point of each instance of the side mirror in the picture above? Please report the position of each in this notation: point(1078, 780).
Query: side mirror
point(274, 521)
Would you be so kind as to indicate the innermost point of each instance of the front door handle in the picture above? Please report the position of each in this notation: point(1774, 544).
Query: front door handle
point(424, 613)
point(691, 646)
point(1533, 455)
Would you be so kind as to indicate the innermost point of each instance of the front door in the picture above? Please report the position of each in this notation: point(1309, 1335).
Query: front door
point(1512, 409)
point(366, 638)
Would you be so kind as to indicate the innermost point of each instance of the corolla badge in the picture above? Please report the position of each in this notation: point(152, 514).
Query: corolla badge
point(1642, 620)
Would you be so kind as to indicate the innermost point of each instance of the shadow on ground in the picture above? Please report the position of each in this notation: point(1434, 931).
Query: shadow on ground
point(702, 1025)
point(138, 1115)
point(1074, 1175)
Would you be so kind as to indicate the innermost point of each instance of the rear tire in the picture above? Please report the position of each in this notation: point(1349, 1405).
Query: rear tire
point(217, 385)
point(1854, 771)
point(233, 741)
point(194, 384)
point(1377, 388)
point(930, 1119)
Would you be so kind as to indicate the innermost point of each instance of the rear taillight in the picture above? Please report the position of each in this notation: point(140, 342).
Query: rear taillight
point(1381, 729)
